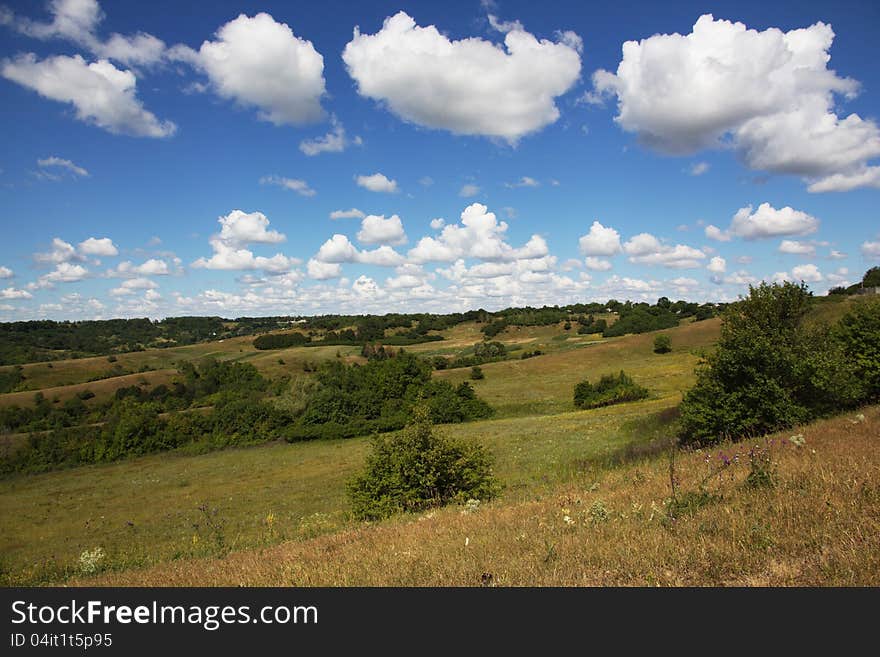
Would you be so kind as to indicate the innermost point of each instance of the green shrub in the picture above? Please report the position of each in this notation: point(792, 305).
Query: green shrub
point(417, 469)
point(858, 334)
point(280, 340)
point(662, 344)
point(610, 389)
point(477, 373)
point(770, 371)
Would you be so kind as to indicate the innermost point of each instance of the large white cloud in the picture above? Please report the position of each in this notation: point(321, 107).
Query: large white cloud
point(769, 91)
point(766, 221)
point(469, 86)
point(259, 62)
point(600, 241)
point(376, 229)
point(102, 94)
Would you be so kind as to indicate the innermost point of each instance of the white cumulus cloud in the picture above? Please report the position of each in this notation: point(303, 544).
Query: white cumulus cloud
point(770, 92)
point(376, 229)
point(101, 94)
point(600, 241)
point(259, 62)
point(469, 86)
point(377, 182)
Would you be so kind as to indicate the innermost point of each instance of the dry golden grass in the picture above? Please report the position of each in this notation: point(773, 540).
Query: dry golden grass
point(819, 525)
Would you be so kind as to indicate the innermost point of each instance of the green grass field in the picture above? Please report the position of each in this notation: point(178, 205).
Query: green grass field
point(167, 507)
point(145, 510)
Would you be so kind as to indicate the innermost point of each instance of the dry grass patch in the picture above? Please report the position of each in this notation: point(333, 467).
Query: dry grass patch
point(818, 525)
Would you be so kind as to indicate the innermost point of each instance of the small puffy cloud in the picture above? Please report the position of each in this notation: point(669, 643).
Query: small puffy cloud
point(480, 235)
point(717, 265)
point(353, 213)
point(259, 62)
point(61, 252)
point(698, 168)
point(438, 223)
point(232, 259)
point(469, 190)
point(470, 86)
point(796, 247)
point(377, 182)
point(376, 229)
point(101, 94)
point(715, 233)
point(837, 255)
point(767, 221)
point(597, 264)
point(600, 241)
point(871, 250)
point(12, 293)
point(65, 272)
point(646, 249)
point(239, 229)
point(334, 141)
point(151, 267)
point(322, 271)
point(6, 272)
point(337, 249)
point(383, 256)
point(365, 286)
point(54, 162)
point(839, 277)
point(133, 285)
point(98, 247)
point(768, 92)
point(525, 181)
point(807, 273)
point(301, 187)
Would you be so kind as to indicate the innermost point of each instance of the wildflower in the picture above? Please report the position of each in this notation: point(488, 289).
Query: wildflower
point(270, 519)
point(598, 512)
point(567, 520)
point(798, 440)
point(471, 506)
point(858, 418)
point(90, 560)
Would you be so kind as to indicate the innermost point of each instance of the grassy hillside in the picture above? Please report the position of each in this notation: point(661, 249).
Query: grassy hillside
point(818, 525)
point(166, 517)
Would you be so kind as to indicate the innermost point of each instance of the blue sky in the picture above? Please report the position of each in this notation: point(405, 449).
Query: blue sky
point(164, 161)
